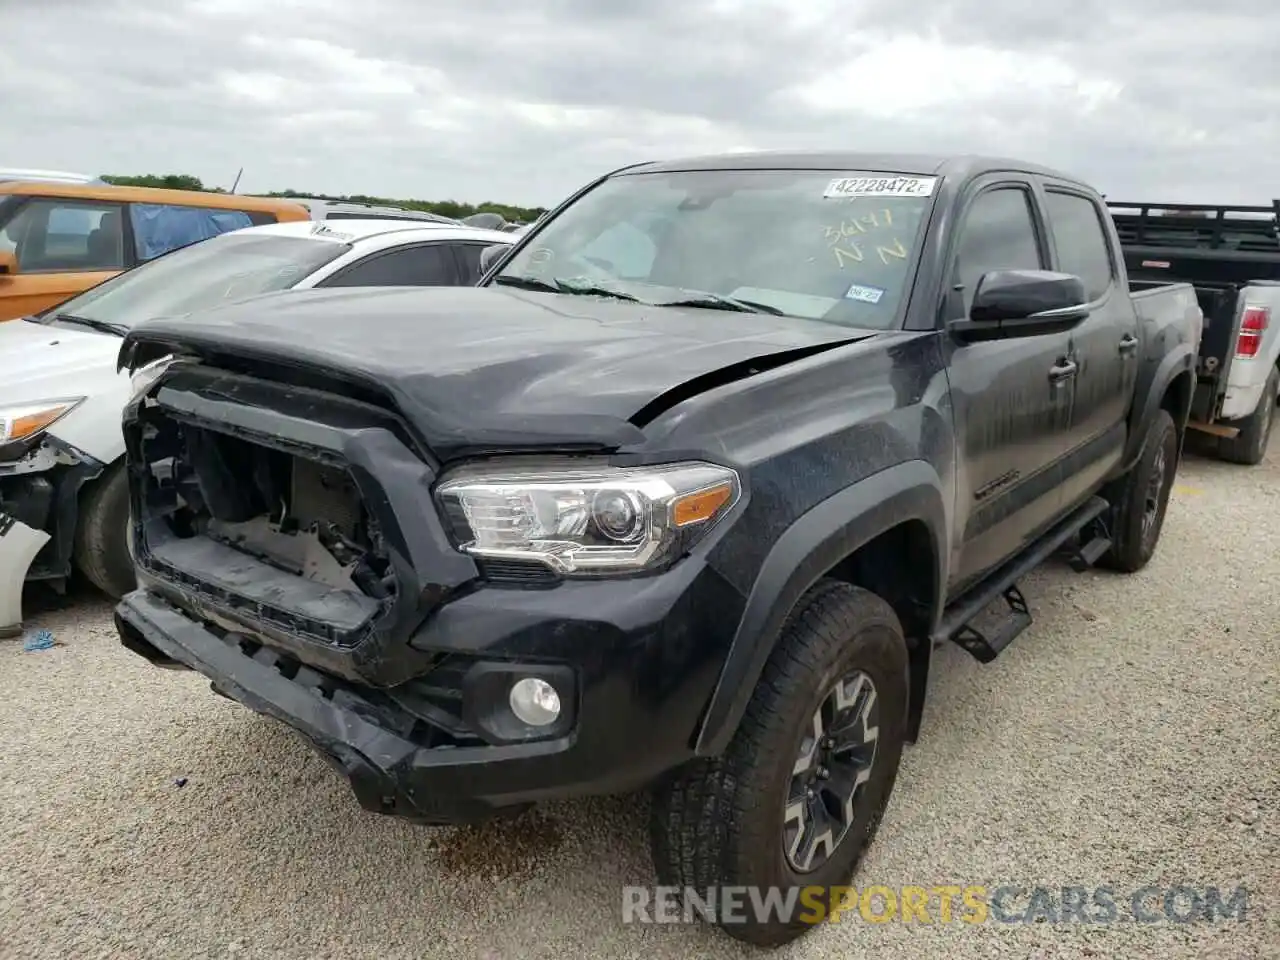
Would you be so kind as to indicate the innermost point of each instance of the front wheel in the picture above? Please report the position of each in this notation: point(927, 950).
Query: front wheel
point(102, 548)
point(796, 799)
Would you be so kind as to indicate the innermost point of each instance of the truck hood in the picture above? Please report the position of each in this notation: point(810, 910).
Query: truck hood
point(46, 363)
point(479, 367)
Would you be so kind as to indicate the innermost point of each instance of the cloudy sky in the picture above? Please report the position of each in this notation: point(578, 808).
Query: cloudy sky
point(1173, 100)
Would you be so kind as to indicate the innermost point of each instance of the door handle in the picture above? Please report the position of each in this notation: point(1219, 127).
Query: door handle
point(1062, 370)
point(1128, 345)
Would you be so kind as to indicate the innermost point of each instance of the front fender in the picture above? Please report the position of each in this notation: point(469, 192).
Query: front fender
point(810, 547)
point(1147, 400)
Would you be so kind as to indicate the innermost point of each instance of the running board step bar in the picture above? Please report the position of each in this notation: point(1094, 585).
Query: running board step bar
point(986, 647)
point(1085, 555)
point(956, 620)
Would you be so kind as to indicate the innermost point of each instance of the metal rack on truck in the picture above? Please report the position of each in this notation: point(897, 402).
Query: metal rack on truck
point(1231, 255)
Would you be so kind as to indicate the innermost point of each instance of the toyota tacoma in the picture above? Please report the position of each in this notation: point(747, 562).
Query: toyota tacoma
point(682, 496)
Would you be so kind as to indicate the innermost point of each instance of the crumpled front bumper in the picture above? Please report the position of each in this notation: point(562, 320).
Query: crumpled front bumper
point(377, 762)
point(19, 545)
point(632, 696)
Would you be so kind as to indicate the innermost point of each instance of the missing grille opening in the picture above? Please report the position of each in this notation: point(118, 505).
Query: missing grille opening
point(299, 515)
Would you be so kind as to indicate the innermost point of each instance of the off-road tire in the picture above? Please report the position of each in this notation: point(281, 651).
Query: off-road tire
point(102, 534)
point(1249, 446)
point(719, 821)
point(1133, 542)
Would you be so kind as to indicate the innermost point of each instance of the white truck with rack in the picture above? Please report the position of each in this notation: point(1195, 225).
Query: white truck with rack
point(1231, 255)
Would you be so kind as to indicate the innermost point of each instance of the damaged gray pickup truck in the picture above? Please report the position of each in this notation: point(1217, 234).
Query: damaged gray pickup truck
point(682, 496)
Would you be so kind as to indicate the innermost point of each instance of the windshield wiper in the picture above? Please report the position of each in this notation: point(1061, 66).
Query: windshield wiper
point(526, 283)
point(588, 289)
point(714, 301)
point(102, 326)
point(558, 285)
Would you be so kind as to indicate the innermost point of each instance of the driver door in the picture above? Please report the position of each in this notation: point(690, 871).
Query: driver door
point(1012, 398)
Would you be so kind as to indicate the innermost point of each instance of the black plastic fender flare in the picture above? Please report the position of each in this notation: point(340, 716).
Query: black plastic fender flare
point(812, 545)
point(1181, 360)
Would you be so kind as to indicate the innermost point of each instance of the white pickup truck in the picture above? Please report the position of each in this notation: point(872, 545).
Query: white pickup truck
point(1231, 255)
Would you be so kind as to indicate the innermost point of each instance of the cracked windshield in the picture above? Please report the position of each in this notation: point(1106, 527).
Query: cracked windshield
point(756, 241)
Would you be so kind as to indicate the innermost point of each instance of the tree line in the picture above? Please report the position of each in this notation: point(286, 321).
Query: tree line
point(444, 208)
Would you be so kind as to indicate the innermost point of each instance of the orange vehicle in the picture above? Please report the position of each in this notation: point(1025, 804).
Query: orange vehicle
point(60, 239)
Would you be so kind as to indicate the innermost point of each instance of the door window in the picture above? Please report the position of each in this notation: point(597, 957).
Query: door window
point(67, 236)
point(469, 261)
point(1080, 241)
point(426, 266)
point(999, 233)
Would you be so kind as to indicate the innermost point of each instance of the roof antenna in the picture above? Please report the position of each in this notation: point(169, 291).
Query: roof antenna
point(237, 180)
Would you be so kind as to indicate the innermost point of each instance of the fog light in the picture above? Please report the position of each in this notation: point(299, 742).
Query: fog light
point(535, 702)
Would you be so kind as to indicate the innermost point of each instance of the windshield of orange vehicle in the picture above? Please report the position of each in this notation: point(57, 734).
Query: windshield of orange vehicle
point(838, 247)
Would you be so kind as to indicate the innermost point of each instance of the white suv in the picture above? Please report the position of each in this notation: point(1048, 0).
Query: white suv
point(350, 210)
point(47, 176)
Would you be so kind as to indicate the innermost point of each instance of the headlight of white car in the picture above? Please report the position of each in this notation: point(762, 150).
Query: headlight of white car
point(24, 421)
point(586, 520)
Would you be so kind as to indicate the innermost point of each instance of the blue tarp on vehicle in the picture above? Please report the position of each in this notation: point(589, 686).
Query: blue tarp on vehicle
point(159, 228)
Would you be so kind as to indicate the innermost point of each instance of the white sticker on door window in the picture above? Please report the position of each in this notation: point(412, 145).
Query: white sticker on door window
point(864, 293)
point(845, 188)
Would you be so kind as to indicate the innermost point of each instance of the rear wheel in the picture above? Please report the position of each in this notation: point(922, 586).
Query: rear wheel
point(798, 795)
point(1249, 446)
point(1141, 498)
point(102, 534)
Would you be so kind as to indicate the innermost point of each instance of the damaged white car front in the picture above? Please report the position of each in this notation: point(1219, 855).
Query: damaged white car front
point(35, 473)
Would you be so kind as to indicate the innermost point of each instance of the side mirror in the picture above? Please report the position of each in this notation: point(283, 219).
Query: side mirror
point(1022, 303)
point(490, 254)
point(8, 263)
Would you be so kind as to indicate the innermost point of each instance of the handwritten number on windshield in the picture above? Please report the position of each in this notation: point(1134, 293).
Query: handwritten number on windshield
point(842, 238)
point(897, 251)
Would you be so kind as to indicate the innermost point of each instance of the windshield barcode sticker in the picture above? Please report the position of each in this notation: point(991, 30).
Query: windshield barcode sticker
point(844, 188)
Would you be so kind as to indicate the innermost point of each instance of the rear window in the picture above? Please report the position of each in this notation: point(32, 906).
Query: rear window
point(159, 228)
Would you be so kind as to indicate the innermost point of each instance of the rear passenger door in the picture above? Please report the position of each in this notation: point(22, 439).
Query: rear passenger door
point(424, 265)
point(1104, 346)
point(1011, 401)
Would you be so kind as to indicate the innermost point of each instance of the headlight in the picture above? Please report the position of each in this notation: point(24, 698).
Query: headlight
point(586, 521)
point(146, 375)
point(25, 420)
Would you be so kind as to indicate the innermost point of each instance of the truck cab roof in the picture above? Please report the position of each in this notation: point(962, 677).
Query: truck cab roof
point(962, 166)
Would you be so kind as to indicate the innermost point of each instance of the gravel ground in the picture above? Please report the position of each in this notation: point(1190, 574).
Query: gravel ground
point(1129, 737)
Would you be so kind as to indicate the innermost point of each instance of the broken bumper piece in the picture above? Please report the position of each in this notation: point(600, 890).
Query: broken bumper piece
point(19, 545)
